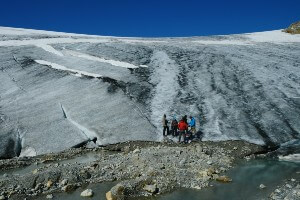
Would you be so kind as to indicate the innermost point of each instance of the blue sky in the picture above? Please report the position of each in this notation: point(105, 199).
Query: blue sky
point(151, 18)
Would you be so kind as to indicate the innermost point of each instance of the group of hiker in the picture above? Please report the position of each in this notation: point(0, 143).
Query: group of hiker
point(183, 128)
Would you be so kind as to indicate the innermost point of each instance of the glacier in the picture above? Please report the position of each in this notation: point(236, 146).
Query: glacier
point(60, 90)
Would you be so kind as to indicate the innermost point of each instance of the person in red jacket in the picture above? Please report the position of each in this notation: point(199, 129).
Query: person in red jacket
point(183, 127)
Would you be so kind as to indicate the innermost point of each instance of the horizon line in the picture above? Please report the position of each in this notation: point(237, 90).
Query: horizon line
point(147, 37)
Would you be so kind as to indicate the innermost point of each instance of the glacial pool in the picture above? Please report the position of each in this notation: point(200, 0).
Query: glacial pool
point(246, 178)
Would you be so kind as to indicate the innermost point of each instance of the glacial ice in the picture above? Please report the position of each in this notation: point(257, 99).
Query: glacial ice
point(238, 87)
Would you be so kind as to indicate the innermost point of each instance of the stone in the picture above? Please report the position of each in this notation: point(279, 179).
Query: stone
point(293, 180)
point(197, 187)
point(222, 169)
point(38, 186)
point(210, 171)
point(209, 162)
point(35, 171)
point(182, 162)
point(215, 176)
point(49, 184)
point(126, 149)
point(235, 148)
point(288, 186)
point(110, 196)
point(150, 188)
point(224, 179)
point(199, 148)
point(262, 186)
point(85, 174)
point(2, 197)
point(203, 173)
point(64, 182)
point(87, 193)
point(68, 188)
point(118, 190)
point(49, 196)
point(92, 166)
point(137, 150)
point(277, 191)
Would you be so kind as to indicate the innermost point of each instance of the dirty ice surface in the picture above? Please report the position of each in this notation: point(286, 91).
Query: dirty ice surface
point(59, 90)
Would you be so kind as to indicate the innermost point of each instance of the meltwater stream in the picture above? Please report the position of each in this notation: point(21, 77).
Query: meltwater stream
point(246, 178)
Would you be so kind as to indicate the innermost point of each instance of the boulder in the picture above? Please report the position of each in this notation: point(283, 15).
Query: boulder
point(277, 191)
point(49, 196)
point(224, 179)
point(118, 190)
point(210, 171)
point(87, 193)
point(151, 188)
point(68, 188)
point(64, 182)
point(288, 186)
point(209, 162)
point(137, 150)
point(49, 184)
point(110, 196)
point(38, 186)
point(203, 174)
point(262, 186)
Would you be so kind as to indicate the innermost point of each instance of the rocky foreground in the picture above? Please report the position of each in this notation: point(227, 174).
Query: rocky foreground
point(141, 168)
point(288, 191)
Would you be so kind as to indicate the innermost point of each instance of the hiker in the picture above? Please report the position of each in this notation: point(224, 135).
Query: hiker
point(182, 126)
point(174, 126)
point(192, 124)
point(165, 125)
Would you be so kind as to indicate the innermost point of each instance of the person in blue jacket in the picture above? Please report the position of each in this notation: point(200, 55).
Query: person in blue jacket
point(192, 124)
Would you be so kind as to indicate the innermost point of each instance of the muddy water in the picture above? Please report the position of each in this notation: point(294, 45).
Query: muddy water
point(247, 177)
